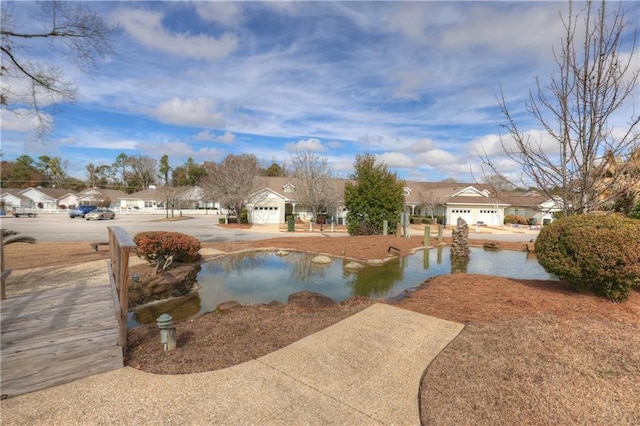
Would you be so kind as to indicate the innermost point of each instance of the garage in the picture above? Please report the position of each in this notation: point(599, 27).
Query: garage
point(488, 216)
point(262, 215)
point(464, 213)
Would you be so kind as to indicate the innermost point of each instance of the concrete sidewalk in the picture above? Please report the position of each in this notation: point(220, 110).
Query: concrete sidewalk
point(363, 370)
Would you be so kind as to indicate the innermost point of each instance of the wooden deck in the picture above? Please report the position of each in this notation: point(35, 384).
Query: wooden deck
point(57, 336)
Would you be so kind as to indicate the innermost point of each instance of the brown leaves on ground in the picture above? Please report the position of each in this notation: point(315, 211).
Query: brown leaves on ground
point(219, 340)
point(532, 352)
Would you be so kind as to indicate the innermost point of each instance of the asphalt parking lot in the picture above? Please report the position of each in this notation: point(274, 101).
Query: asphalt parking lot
point(60, 227)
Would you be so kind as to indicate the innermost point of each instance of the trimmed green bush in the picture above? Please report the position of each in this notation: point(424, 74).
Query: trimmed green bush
point(598, 253)
point(155, 245)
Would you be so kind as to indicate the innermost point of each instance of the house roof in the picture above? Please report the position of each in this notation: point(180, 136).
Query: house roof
point(54, 193)
point(15, 192)
point(112, 194)
point(161, 193)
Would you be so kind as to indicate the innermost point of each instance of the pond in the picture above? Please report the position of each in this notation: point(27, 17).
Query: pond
point(260, 277)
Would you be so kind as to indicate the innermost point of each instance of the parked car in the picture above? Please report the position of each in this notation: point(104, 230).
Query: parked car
point(80, 211)
point(99, 214)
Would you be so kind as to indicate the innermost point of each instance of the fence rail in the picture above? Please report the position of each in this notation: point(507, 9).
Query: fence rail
point(120, 247)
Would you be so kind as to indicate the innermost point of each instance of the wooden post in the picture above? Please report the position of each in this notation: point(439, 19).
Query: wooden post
point(3, 274)
point(120, 247)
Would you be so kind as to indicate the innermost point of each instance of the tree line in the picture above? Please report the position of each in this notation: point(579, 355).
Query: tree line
point(129, 173)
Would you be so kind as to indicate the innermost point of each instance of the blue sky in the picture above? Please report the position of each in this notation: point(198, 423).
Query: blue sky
point(414, 83)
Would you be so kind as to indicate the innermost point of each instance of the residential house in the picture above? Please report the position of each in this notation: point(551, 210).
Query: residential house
point(50, 198)
point(277, 199)
point(155, 198)
point(472, 202)
point(103, 197)
point(11, 198)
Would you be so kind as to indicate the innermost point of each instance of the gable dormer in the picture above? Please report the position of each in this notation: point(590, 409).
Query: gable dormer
point(289, 187)
point(407, 191)
point(471, 191)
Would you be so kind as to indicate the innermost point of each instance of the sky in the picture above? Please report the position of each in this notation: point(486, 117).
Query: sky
point(414, 83)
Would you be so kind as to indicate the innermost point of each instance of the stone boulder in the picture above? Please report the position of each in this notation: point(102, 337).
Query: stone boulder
point(174, 282)
point(491, 246)
point(310, 300)
point(321, 260)
point(353, 266)
point(228, 306)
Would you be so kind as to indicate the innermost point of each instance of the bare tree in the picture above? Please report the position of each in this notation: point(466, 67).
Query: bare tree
point(595, 77)
point(429, 201)
point(498, 182)
point(142, 171)
point(33, 88)
point(313, 178)
point(231, 181)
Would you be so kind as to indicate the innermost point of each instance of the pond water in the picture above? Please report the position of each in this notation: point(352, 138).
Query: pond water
point(261, 277)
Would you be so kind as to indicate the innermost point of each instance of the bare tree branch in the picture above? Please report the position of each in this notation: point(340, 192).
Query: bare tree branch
point(590, 167)
point(34, 88)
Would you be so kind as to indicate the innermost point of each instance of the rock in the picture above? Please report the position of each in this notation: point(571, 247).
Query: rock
point(174, 282)
point(491, 246)
point(310, 300)
point(227, 306)
point(282, 253)
point(375, 262)
point(353, 266)
point(321, 259)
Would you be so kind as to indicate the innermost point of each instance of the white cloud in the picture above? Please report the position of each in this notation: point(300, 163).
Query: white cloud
point(421, 145)
point(226, 137)
point(146, 28)
point(225, 13)
point(190, 112)
point(395, 160)
point(208, 135)
point(205, 135)
point(311, 144)
point(18, 120)
point(435, 157)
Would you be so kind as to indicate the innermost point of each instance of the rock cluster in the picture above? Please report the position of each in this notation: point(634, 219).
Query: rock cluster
point(460, 239)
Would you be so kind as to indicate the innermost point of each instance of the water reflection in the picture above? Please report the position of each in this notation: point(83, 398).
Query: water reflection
point(260, 277)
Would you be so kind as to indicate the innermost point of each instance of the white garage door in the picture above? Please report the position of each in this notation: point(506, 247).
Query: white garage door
point(463, 213)
point(265, 215)
point(488, 216)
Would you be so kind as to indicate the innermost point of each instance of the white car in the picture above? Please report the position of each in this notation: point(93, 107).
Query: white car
point(99, 214)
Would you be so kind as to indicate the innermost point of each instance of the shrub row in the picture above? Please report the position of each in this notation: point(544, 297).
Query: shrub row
point(598, 253)
point(512, 218)
point(156, 245)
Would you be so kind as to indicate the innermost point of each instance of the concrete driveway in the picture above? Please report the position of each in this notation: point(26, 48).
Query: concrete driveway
point(59, 227)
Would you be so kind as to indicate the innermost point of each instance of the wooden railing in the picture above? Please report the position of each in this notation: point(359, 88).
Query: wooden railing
point(120, 247)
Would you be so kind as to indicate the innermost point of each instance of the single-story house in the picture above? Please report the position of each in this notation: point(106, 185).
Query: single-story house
point(104, 197)
point(11, 198)
point(277, 199)
point(470, 201)
point(154, 198)
point(50, 198)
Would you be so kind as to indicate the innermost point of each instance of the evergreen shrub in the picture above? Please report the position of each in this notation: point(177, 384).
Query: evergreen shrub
point(155, 245)
point(598, 253)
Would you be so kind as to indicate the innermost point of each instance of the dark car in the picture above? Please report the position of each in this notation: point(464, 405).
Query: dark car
point(80, 211)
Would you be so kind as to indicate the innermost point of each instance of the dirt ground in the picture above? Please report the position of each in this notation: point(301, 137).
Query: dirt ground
point(532, 352)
